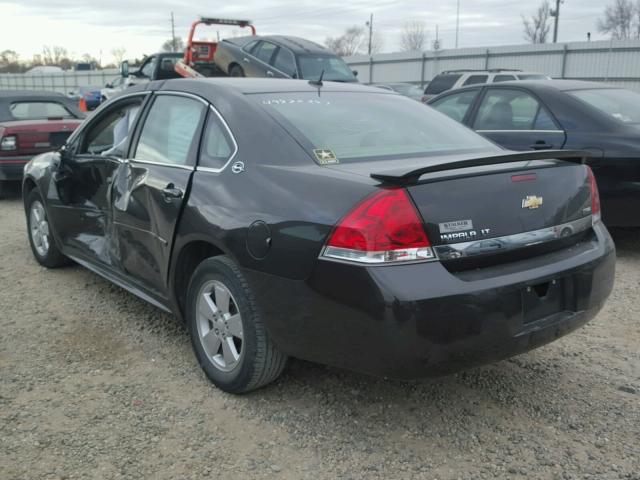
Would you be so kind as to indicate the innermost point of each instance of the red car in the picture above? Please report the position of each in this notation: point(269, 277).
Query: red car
point(32, 123)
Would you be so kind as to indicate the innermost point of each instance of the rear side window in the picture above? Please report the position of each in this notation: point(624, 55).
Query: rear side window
point(169, 130)
point(440, 83)
point(505, 109)
point(265, 51)
point(503, 78)
point(456, 105)
point(533, 76)
point(38, 110)
point(285, 62)
point(217, 146)
point(475, 79)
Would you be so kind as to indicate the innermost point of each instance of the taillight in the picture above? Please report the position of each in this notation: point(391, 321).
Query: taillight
point(383, 228)
point(595, 196)
point(10, 142)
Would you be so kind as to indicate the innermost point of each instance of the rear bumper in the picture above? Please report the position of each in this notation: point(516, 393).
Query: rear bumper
point(417, 320)
point(11, 167)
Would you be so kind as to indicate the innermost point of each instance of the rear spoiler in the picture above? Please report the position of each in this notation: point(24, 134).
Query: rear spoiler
point(403, 177)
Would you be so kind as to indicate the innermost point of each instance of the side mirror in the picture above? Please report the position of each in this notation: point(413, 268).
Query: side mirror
point(124, 68)
point(355, 73)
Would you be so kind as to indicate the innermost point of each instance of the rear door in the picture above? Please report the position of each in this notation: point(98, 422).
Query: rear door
point(149, 192)
point(517, 120)
point(263, 54)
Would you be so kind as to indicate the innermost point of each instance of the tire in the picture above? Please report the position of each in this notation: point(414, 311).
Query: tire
point(43, 245)
point(236, 71)
point(232, 345)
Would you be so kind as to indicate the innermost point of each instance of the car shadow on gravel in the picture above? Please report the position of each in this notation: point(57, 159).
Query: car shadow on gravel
point(627, 241)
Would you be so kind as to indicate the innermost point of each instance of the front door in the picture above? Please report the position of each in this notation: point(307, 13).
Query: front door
point(81, 200)
point(515, 119)
point(148, 193)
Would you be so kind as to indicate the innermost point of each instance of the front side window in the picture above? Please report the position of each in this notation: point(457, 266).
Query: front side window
point(475, 79)
point(456, 105)
point(512, 110)
point(335, 69)
point(38, 110)
point(169, 130)
point(623, 105)
point(355, 126)
point(149, 66)
point(109, 135)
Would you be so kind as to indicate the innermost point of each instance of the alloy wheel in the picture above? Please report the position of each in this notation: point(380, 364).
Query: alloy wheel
point(219, 325)
point(39, 229)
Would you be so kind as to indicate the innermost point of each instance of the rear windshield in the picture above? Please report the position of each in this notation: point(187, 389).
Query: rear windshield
point(441, 83)
point(353, 126)
point(335, 69)
point(38, 110)
point(623, 105)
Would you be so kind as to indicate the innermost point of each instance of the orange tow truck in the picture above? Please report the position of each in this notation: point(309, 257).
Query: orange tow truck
point(198, 60)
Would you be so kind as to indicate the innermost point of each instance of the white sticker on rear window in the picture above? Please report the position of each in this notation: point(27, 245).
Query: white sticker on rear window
point(456, 226)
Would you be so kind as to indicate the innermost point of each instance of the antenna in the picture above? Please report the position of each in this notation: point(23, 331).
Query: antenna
point(319, 81)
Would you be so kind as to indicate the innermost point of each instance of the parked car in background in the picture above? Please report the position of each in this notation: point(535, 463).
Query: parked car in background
point(280, 56)
point(114, 87)
point(84, 66)
point(159, 66)
point(91, 96)
point(32, 123)
point(337, 223)
point(563, 114)
point(405, 89)
point(451, 79)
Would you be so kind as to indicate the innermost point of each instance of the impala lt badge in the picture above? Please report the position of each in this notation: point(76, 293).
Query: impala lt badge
point(531, 202)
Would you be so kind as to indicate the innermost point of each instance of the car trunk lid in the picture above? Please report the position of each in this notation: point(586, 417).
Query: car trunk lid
point(38, 136)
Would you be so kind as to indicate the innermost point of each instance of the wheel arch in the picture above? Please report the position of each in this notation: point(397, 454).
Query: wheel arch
point(185, 262)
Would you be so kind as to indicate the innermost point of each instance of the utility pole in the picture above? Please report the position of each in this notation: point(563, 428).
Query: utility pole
point(556, 17)
point(174, 46)
point(457, 23)
point(370, 25)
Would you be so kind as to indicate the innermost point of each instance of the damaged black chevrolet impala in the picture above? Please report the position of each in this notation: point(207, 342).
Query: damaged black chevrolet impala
point(330, 222)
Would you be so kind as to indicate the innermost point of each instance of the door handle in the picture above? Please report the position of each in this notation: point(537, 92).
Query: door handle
point(171, 192)
point(269, 73)
point(541, 145)
point(246, 60)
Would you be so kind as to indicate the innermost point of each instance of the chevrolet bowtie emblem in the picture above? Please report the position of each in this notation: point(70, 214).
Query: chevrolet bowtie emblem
point(531, 202)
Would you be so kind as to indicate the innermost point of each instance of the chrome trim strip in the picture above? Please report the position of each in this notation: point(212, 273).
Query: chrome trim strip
point(520, 131)
point(162, 164)
point(511, 242)
point(233, 140)
point(180, 94)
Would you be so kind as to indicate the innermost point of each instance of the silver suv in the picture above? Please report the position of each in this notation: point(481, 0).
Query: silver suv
point(451, 79)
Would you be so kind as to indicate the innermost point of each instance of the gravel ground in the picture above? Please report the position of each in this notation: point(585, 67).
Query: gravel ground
point(96, 384)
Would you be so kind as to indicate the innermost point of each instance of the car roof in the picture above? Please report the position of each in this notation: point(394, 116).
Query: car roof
point(296, 44)
point(15, 94)
point(537, 85)
point(249, 85)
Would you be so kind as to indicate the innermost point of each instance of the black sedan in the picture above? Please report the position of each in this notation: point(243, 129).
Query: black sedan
point(331, 222)
point(538, 115)
point(280, 56)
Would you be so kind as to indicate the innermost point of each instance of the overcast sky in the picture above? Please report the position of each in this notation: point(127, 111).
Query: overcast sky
point(141, 26)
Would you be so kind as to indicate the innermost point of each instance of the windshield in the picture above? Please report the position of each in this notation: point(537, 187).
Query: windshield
point(623, 105)
point(335, 69)
point(351, 126)
point(442, 82)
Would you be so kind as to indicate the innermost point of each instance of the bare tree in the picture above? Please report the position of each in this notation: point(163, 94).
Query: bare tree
point(173, 45)
point(413, 37)
point(377, 43)
point(118, 54)
point(536, 27)
point(53, 55)
point(349, 43)
point(619, 19)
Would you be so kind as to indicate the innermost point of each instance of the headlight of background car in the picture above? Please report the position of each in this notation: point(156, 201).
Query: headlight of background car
point(9, 143)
